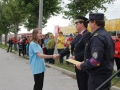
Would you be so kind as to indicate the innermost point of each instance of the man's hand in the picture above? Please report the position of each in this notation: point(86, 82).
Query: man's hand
point(56, 56)
point(72, 57)
point(78, 65)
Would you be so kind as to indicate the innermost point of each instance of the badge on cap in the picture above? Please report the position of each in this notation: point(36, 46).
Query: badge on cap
point(95, 55)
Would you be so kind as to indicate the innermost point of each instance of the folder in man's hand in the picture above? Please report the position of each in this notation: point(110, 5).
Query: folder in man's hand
point(72, 61)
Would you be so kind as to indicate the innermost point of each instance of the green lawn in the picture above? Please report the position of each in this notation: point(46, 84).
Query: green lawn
point(3, 46)
point(69, 67)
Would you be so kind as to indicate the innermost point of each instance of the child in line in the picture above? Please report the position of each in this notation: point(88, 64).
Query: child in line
point(20, 47)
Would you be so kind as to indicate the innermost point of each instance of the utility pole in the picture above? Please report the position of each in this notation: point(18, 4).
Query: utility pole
point(40, 14)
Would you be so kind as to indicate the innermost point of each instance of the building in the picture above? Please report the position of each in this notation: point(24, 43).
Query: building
point(112, 26)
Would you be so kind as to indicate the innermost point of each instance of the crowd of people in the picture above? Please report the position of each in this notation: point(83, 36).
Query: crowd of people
point(21, 45)
point(48, 42)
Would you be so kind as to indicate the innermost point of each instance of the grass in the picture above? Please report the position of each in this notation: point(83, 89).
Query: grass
point(3, 46)
point(70, 67)
point(115, 79)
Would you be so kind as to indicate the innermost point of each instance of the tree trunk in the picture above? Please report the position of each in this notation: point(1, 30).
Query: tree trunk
point(37, 21)
point(16, 30)
point(1, 38)
point(6, 38)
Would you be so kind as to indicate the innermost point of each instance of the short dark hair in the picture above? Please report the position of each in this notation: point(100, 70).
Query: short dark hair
point(46, 35)
point(84, 23)
point(100, 23)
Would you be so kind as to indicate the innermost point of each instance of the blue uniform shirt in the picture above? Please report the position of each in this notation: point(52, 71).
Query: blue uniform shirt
point(37, 64)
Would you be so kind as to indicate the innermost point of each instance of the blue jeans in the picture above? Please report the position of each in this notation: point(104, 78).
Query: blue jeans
point(15, 47)
point(61, 58)
point(27, 51)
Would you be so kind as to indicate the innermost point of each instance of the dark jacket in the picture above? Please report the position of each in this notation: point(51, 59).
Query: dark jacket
point(20, 45)
point(74, 42)
point(10, 42)
point(99, 54)
point(80, 45)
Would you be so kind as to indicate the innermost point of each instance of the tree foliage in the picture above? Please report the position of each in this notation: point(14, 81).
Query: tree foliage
point(13, 14)
point(4, 23)
point(82, 7)
point(50, 8)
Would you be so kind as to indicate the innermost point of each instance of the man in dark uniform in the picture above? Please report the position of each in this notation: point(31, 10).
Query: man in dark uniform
point(79, 46)
point(99, 54)
point(74, 42)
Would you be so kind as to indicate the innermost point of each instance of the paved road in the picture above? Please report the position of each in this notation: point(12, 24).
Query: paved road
point(15, 74)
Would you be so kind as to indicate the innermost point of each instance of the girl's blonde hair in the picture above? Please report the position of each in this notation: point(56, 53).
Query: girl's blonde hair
point(34, 35)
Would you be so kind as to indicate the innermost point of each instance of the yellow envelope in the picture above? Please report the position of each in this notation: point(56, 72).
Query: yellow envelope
point(72, 61)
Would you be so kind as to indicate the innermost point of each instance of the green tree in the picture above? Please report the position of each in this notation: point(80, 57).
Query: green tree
point(49, 33)
point(83, 7)
point(14, 15)
point(4, 23)
point(50, 8)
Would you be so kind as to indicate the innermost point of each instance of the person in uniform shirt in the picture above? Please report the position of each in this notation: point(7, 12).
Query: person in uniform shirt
point(79, 46)
point(73, 42)
point(99, 54)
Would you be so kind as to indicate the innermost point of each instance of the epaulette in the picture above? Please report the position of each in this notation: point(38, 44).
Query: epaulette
point(96, 34)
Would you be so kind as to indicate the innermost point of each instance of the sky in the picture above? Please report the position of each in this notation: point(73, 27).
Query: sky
point(113, 12)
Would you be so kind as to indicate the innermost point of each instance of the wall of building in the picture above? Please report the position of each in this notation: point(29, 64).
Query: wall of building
point(112, 26)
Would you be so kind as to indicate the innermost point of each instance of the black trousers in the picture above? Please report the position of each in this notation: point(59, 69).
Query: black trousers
point(67, 57)
point(61, 58)
point(45, 51)
point(51, 52)
point(82, 80)
point(95, 81)
point(9, 47)
point(38, 78)
point(24, 49)
point(21, 51)
point(117, 60)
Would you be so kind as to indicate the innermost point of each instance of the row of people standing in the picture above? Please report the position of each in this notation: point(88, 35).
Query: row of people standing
point(21, 44)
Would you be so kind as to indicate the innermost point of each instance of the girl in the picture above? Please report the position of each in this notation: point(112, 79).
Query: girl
point(36, 56)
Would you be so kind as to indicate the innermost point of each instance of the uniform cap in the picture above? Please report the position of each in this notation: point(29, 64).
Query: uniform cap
point(80, 18)
point(96, 16)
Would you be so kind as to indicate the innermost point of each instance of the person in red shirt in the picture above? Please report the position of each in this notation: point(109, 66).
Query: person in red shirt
point(117, 53)
point(15, 41)
point(69, 40)
point(68, 44)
